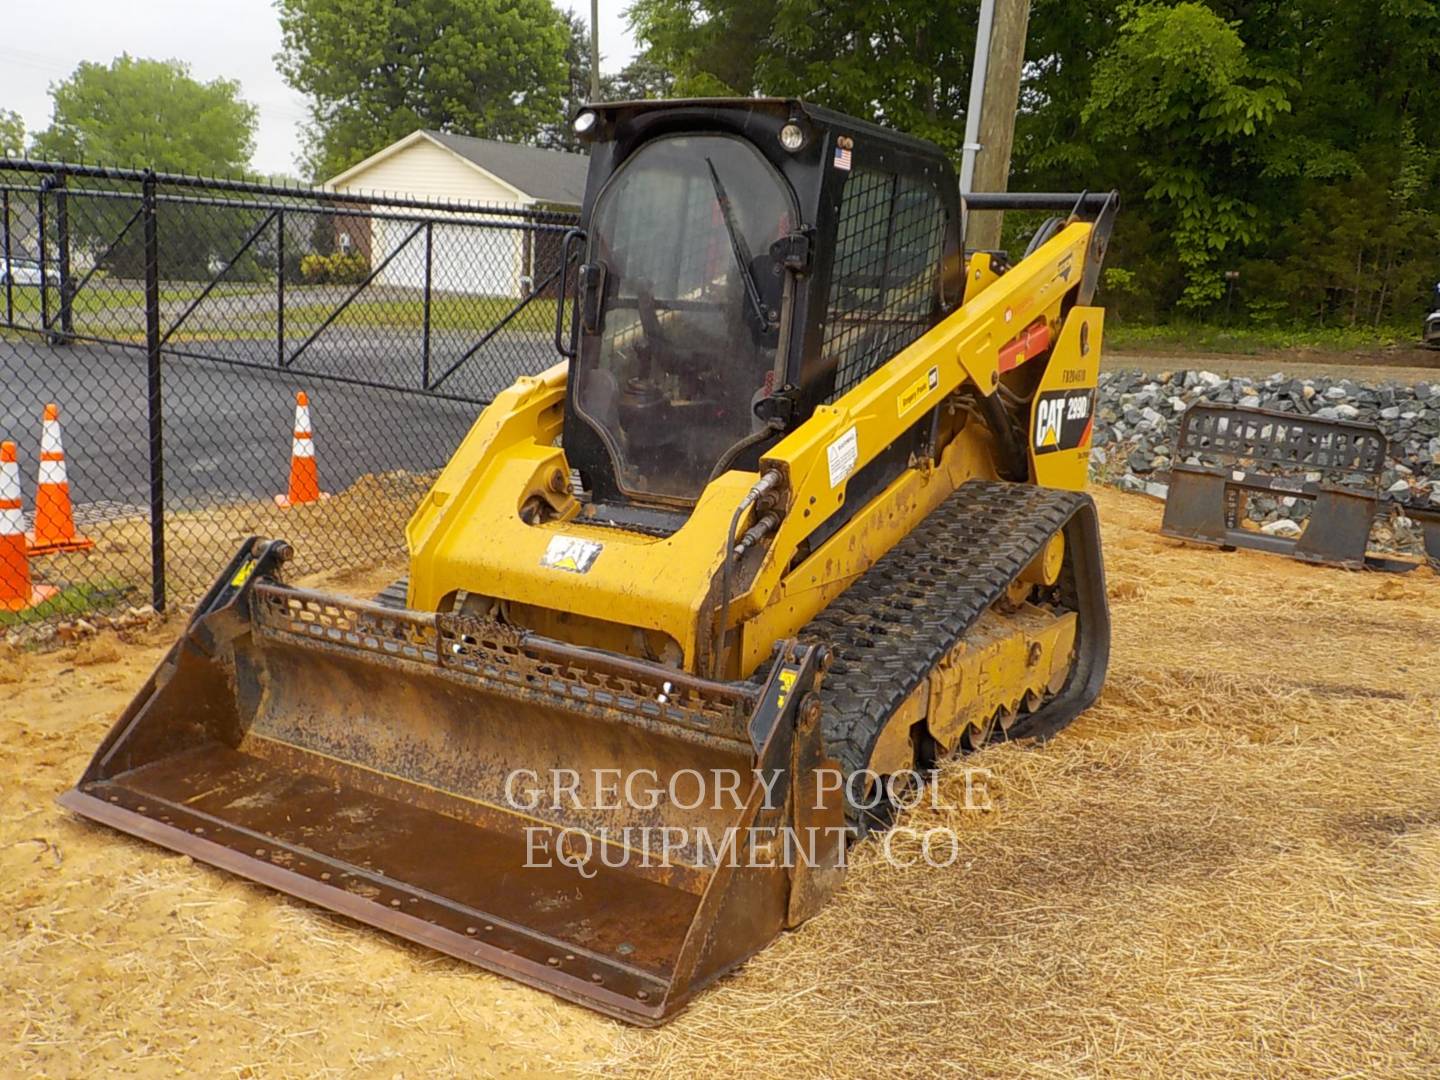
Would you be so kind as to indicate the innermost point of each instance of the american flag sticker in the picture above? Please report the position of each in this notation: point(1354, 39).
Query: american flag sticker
point(842, 157)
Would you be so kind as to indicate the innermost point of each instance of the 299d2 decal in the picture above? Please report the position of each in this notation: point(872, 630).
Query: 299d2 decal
point(1063, 419)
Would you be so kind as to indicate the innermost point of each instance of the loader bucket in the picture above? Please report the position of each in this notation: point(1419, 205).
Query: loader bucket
point(413, 771)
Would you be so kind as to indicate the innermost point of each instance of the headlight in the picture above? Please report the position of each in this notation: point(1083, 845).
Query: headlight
point(792, 137)
point(585, 122)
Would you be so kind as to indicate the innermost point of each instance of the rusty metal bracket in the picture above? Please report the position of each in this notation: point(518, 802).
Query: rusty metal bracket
point(1429, 522)
point(1222, 453)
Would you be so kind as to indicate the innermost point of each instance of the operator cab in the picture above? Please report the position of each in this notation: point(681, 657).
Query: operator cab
point(707, 319)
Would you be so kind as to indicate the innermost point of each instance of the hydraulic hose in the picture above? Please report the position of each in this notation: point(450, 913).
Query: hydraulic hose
point(1012, 462)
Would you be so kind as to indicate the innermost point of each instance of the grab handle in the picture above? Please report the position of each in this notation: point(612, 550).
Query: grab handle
point(562, 346)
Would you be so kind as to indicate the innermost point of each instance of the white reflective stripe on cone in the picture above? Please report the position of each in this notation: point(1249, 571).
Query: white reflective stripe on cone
point(10, 482)
point(52, 472)
point(50, 437)
point(302, 418)
point(303, 448)
point(12, 522)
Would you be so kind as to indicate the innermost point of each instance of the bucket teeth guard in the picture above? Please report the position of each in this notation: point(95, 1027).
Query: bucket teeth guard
point(397, 767)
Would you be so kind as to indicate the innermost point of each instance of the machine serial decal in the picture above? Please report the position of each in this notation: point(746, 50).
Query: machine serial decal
point(916, 391)
point(1063, 420)
point(841, 456)
point(571, 553)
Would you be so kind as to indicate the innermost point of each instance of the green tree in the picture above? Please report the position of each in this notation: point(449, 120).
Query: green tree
point(641, 78)
point(12, 134)
point(1178, 91)
point(905, 63)
point(149, 113)
point(559, 135)
point(1344, 184)
point(376, 70)
point(1294, 141)
point(712, 47)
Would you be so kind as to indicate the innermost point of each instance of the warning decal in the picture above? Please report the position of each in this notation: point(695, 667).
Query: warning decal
point(841, 455)
point(571, 553)
point(1063, 420)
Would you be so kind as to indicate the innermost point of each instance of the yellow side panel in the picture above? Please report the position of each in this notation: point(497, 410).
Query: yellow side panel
point(468, 533)
point(979, 275)
point(1062, 416)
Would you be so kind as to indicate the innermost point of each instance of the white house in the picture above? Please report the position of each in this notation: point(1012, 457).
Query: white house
point(458, 168)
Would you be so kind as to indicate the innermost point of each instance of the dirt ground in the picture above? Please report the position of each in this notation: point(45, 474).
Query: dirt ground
point(1399, 364)
point(1230, 866)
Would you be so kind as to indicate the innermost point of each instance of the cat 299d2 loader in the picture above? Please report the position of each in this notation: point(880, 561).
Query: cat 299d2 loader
point(798, 512)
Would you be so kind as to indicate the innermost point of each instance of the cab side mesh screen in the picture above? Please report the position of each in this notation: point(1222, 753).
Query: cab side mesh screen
point(884, 284)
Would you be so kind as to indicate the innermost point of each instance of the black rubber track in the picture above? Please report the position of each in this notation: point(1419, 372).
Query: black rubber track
point(890, 628)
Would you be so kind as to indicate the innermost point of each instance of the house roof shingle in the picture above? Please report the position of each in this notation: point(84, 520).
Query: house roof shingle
point(551, 176)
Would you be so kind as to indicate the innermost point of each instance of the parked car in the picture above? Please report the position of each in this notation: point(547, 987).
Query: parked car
point(20, 272)
point(1432, 322)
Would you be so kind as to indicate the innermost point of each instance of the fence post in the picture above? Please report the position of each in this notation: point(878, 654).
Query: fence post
point(9, 264)
point(425, 315)
point(41, 228)
point(62, 241)
point(154, 383)
point(280, 287)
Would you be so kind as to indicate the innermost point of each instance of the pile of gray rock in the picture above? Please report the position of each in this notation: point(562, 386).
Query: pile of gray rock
point(1138, 415)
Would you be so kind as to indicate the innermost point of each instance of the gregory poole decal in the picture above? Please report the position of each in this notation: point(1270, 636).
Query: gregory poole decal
point(1063, 419)
point(913, 394)
point(571, 553)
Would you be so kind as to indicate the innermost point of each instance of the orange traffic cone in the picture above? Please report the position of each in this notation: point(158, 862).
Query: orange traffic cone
point(17, 593)
point(54, 518)
point(304, 477)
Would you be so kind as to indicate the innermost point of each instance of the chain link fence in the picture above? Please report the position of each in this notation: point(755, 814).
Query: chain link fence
point(173, 320)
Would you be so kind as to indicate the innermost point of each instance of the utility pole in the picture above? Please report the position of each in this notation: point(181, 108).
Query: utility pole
point(977, 95)
point(994, 121)
point(594, 50)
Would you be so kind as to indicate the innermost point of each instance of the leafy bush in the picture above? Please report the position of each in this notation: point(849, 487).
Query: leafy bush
point(336, 269)
point(1120, 280)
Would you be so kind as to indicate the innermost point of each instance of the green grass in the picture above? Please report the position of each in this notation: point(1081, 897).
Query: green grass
point(74, 600)
point(1253, 340)
point(473, 314)
point(448, 312)
point(98, 297)
point(115, 312)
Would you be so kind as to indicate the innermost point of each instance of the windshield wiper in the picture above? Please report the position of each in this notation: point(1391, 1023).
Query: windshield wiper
point(738, 248)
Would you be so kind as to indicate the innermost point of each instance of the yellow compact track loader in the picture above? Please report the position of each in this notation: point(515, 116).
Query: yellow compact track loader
point(797, 513)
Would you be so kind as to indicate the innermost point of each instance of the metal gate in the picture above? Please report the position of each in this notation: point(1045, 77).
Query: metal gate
point(173, 319)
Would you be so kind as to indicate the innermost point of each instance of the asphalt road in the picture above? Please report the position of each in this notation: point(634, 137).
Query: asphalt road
point(1405, 366)
point(227, 428)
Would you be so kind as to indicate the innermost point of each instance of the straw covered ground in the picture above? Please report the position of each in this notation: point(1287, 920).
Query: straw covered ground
point(1231, 866)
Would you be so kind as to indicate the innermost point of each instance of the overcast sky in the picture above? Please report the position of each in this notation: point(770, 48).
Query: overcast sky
point(233, 39)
